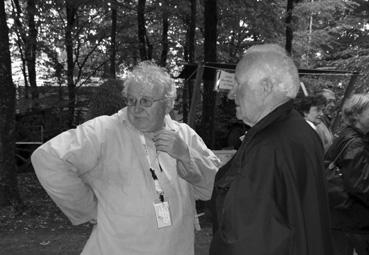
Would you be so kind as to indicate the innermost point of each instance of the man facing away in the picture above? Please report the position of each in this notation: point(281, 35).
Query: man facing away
point(271, 197)
point(137, 172)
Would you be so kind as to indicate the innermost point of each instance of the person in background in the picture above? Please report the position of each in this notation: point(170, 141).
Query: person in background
point(330, 106)
point(271, 197)
point(136, 173)
point(324, 127)
point(350, 224)
point(311, 108)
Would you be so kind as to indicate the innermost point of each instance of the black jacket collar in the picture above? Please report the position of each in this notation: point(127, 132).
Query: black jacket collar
point(276, 115)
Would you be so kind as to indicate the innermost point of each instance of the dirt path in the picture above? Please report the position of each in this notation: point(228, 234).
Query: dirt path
point(41, 229)
point(66, 241)
point(43, 242)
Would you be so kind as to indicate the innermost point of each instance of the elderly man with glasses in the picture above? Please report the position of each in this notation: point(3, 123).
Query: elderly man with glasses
point(136, 173)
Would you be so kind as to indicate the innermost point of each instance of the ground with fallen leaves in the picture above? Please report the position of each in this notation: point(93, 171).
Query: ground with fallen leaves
point(41, 229)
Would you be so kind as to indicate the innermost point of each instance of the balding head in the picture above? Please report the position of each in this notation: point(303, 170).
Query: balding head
point(265, 77)
point(272, 63)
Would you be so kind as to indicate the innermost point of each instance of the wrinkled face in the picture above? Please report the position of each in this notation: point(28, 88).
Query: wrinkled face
point(146, 119)
point(247, 95)
point(314, 114)
point(362, 121)
point(330, 106)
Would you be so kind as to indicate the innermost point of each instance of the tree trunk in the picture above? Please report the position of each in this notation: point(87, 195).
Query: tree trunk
point(191, 32)
point(164, 35)
point(210, 49)
point(9, 194)
point(189, 56)
point(21, 41)
point(24, 69)
point(31, 48)
point(141, 29)
point(71, 12)
point(149, 46)
point(289, 31)
point(113, 50)
point(59, 68)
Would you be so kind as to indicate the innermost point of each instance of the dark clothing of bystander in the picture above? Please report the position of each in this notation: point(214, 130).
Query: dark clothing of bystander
point(351, 225)
point(271, 197)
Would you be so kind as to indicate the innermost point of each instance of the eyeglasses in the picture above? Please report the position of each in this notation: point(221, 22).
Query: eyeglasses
point(144, 101)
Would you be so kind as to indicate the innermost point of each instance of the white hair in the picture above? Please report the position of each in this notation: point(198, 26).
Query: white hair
point(151, 75)
point(354, 106)
point(273, 61)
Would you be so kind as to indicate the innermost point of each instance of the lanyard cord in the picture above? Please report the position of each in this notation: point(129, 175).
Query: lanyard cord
point(158, 188)
point(157, 185)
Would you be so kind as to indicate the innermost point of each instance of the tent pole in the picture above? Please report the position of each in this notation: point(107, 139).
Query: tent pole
point(195, 95)
point(348, 91)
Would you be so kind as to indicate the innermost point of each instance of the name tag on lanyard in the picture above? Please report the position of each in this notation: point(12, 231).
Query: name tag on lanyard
point(162, 213)
point(161, 208)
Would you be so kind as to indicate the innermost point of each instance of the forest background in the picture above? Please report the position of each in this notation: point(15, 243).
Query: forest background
point(62, 61)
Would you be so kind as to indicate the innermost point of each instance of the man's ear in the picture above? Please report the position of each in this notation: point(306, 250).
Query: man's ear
point(267, 87)
point(305, 114)
point(169, 106)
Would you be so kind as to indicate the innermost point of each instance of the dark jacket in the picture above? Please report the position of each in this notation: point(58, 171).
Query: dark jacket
point(354, 163)
point(271, 197)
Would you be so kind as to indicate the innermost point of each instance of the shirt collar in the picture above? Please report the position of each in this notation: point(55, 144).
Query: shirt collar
point(311, 124)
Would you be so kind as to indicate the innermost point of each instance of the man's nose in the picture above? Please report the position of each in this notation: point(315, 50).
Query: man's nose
point(137, 107)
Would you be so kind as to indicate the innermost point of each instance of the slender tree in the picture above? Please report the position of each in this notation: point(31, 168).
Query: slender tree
point(113, 50)
point(189, 56)
point(142, 29)
point(289, 31)
point(31, 48)
point(21, 42)
point(164, 35)
point(191, 32)
point(8, 179)
point(71, 17)
point(210, 49)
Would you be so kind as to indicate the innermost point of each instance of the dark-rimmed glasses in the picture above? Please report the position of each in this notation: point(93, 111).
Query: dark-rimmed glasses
point(143, 101)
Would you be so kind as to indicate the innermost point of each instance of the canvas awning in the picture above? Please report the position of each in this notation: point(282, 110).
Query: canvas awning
point(189, 70)
point(208, 70)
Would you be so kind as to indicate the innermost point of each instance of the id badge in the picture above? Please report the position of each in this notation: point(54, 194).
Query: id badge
point(162, 214)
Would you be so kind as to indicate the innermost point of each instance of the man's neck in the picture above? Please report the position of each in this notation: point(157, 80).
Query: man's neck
point(270, 109)
point(150, 134)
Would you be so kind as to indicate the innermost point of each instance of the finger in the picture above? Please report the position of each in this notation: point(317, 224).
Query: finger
point(161, 132)
point(162, 148)
point(164, 144)
point(164, 137)
point(164, 133)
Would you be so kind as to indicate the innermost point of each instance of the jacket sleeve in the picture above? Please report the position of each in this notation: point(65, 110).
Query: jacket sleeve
point(203, 164)
point(356, 171)
point(60, 165)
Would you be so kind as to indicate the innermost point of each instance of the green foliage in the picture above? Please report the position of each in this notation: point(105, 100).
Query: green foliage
point(316, 24)
point(330, 33)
